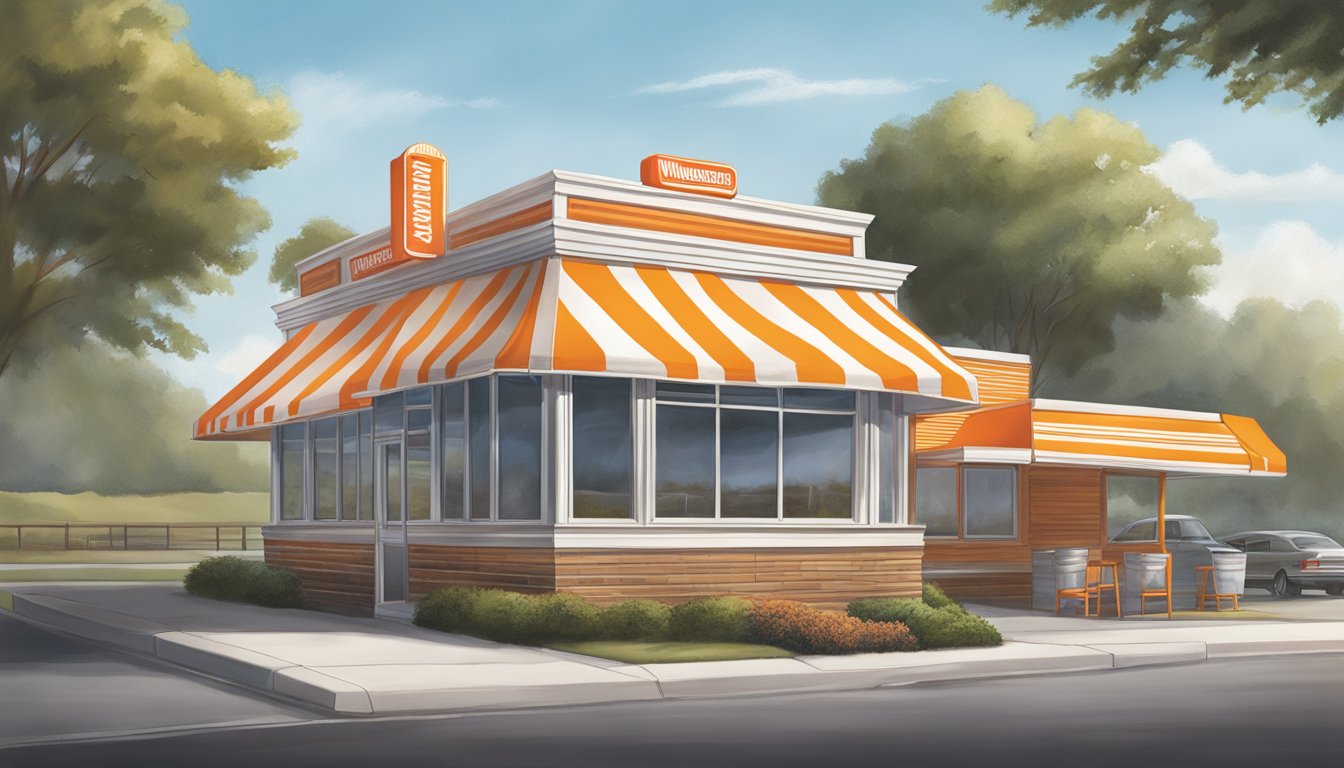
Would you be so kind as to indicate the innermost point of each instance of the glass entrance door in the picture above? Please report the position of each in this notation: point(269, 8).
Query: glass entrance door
point(390, 491)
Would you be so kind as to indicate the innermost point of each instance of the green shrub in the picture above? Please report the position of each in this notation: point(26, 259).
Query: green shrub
point(447, 609)
point(935, 597)
point(802, 628)
point(710, 619)
point(636, 619)
point(506, 617)
point(244, 581)
point(950, 626)
point(563, 616)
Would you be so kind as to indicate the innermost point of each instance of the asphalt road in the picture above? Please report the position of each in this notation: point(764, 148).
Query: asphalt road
point(1269, 711)
point(57, 687)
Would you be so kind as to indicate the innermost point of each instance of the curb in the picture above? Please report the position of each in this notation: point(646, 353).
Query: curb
point(416, 688)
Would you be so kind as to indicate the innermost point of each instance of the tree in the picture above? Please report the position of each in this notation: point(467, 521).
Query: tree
point(120, 152)
point(1261, 46)
point(1028, 237)
point(314, 235)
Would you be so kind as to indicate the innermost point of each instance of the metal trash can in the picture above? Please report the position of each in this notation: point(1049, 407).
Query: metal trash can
point(1229, 573)
point(1143, 571)
point(1043, 579)
point(1070, 568)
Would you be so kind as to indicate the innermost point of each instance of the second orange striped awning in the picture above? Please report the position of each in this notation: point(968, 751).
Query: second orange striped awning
point(563, 316)
point(1107, 436)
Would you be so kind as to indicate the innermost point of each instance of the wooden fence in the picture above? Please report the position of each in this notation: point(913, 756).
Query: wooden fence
point(129, 536)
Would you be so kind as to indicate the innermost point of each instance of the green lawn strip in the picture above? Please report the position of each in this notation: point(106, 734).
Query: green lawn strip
point(632, 652)
point(94, 573)
point(6, 601)
point(100, 557)
point(252, 508)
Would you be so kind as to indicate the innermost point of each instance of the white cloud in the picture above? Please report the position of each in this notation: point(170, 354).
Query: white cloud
point(335, 101)
point(1190, 169)
point(772, 86)
point(1288, 261)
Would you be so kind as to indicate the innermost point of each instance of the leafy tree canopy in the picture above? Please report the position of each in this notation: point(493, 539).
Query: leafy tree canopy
point(314, 235)
point(1261, 46)
point(120, 151)
point(1029, 237)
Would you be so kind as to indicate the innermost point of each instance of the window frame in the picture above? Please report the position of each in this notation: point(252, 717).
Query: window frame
point(779, 409)
point(961, 534)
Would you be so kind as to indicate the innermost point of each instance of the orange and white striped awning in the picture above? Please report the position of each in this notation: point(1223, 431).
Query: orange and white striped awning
point(1108, 436)
point(566, 316)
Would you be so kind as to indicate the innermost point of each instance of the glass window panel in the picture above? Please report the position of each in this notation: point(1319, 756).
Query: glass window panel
point(936, 500)
point(392, 482)
point(418, 476)
point(365, 465)
point(349, 467)
point(519, 447)
point(453, 450)
point(990, 501)
point(420, 396)
point(683, 392)
point(478, 426)
point(886, 458)
point(818, 465)
point(293, 438)
point(1129, 498)
point(603, 456)
point(1140, 532)
point(326, 461)
point(762, 396)
point(748, 463)
point(819, 399)
point(418, 419)
point(387, 415)
point(684, 471)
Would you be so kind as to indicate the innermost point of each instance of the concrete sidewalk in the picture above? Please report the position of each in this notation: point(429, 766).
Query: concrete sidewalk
point(377, 667)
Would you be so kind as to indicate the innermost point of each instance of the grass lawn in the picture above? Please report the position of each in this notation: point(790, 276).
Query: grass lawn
point(251, 508)
point(632, 652)
point(10, 556)
point(6, 601)
point(94, 573)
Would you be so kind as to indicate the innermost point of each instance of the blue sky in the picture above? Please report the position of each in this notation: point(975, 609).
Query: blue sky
point(781, 90)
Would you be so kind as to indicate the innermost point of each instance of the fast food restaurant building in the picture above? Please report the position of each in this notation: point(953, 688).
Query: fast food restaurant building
point(625, 389)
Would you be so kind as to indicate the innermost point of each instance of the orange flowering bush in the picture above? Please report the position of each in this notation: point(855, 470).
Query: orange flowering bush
point(799, 627)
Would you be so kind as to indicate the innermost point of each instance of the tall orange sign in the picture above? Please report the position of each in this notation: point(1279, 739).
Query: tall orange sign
point(701, 177)
point(419, 203)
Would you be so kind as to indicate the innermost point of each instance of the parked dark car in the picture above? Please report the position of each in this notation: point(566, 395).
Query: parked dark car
point(1286, 562)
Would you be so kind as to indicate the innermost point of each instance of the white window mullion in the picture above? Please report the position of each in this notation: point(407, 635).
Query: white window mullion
point(494, 447)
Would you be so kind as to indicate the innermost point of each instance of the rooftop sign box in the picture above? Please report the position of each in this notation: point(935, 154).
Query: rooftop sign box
point(419, 211)
point(682, 174)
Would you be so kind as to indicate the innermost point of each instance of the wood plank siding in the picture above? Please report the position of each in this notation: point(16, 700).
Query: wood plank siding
point(336, 576)
point(827, 577)
point(522, 569)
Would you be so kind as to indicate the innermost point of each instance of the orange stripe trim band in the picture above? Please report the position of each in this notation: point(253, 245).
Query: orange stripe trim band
point(702, 225)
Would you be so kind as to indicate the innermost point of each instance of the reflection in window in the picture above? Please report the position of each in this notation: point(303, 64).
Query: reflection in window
point(418, 464)
point(1129, 498)
point(519, 447)
point(990, 501)
point(886, 458)
point(392, 482)
point(365, 465)
point(453, 450)
point(818, 465)
point(749, 468)
point(936, 500)
point(478, 429)
point(292, 440)
point(603, 456)
point(387, 415)
point(326, 457)
point(685, 461)
point(350, 466)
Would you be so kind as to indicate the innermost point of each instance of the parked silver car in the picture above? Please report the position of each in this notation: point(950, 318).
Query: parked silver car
point(1285, 562)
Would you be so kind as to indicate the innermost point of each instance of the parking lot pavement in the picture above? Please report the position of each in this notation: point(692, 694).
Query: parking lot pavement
point(1311, 605)
point(55, 688)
